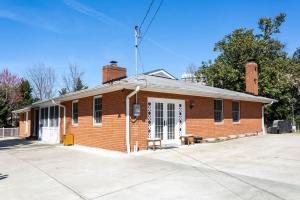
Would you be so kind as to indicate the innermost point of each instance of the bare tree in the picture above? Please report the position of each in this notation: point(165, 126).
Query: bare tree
point(189, 75)
point(43, 80)
point(73, 79)
point(191, 69)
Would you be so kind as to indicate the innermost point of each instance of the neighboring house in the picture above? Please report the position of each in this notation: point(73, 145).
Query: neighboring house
point(188, 77)
point(103, 116)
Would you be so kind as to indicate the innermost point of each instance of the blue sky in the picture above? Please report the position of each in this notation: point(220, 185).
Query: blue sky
point(91, 33)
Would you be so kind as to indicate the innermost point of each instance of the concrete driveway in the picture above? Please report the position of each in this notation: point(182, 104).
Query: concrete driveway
point(260, 167)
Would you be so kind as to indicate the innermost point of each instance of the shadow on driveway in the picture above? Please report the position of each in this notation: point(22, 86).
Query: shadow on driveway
point(3, 176)
point(13, 143)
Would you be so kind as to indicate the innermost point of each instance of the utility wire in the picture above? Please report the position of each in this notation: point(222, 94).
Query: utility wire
point(145, 17)
point(152, 19)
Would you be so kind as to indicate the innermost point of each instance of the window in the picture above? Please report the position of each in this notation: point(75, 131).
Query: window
point(218, 110)
point(52, 110)
point(97, 110)
point(235, 111)
point(44, 117)
point(54, 116)
point(75, 112)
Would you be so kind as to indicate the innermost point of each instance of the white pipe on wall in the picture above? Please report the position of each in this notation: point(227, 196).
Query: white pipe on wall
point(128, 118)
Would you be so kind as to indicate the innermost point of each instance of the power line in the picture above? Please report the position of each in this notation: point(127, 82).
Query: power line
point(149, 8)
point(152, 19)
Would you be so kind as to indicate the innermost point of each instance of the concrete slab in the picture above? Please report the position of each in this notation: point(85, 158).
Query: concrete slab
point(262, 167)
point(232, 136)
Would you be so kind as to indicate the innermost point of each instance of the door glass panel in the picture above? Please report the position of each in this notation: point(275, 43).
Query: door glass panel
point(159, 120)
point(171, 121)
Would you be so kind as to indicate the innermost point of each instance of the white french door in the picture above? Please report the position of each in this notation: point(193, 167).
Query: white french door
point(166, 119)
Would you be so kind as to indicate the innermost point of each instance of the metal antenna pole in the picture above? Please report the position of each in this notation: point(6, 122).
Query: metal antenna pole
point(136, 37)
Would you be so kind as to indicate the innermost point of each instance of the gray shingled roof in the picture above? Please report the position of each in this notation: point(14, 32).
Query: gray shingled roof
point(152, 83)
point(158, 84)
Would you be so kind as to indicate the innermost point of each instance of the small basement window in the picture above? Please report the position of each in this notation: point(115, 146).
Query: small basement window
point(218, 110)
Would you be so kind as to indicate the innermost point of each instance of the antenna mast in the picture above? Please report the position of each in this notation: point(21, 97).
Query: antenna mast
point(136, 37)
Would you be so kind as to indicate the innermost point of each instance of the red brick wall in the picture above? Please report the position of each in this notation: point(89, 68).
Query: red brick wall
point(22, 124)
point(200, 119)
point(111, 134)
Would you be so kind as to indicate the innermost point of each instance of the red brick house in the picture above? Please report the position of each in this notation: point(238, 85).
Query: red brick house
point(169, 108)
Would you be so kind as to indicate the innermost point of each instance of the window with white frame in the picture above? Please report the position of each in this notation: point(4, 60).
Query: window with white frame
point(56, 113)
point(53, 116)
point(75, 112)
point(97, 110)
point(235, 111)
point(44, 117)
point(218, 110)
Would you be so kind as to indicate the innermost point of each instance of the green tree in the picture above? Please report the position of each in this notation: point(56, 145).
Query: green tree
point(79, 85)
point(296, 55)
point(63, 91)
point(277, 71)
point(4, 110)
point(26, 93)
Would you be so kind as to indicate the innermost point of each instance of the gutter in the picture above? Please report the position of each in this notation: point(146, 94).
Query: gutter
point(128, 118)
point(64, 107)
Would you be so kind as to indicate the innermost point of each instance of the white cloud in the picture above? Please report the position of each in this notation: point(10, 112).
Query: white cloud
point(96, 14)
point(100, 16)
point(33, 21)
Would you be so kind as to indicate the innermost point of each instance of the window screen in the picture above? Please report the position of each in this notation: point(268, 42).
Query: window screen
point(75, 112)
point(235, 111)
point(218, 110)
point(97, 110)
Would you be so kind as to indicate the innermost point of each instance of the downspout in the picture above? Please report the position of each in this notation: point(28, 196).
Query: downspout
point(64, 107)
point(128, 117)
point(263, 117)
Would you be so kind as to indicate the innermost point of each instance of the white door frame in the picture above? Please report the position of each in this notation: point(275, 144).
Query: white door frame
point(179, 118)
point(45, 133)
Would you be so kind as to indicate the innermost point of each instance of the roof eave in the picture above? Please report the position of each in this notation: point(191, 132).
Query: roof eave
point(210, 95)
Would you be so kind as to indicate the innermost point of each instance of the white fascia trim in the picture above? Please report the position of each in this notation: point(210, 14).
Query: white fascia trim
point(210, 95)
point(22, 110)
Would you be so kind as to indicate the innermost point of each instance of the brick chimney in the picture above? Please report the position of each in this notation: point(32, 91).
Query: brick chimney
point(251, 77)
point(112, 72)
